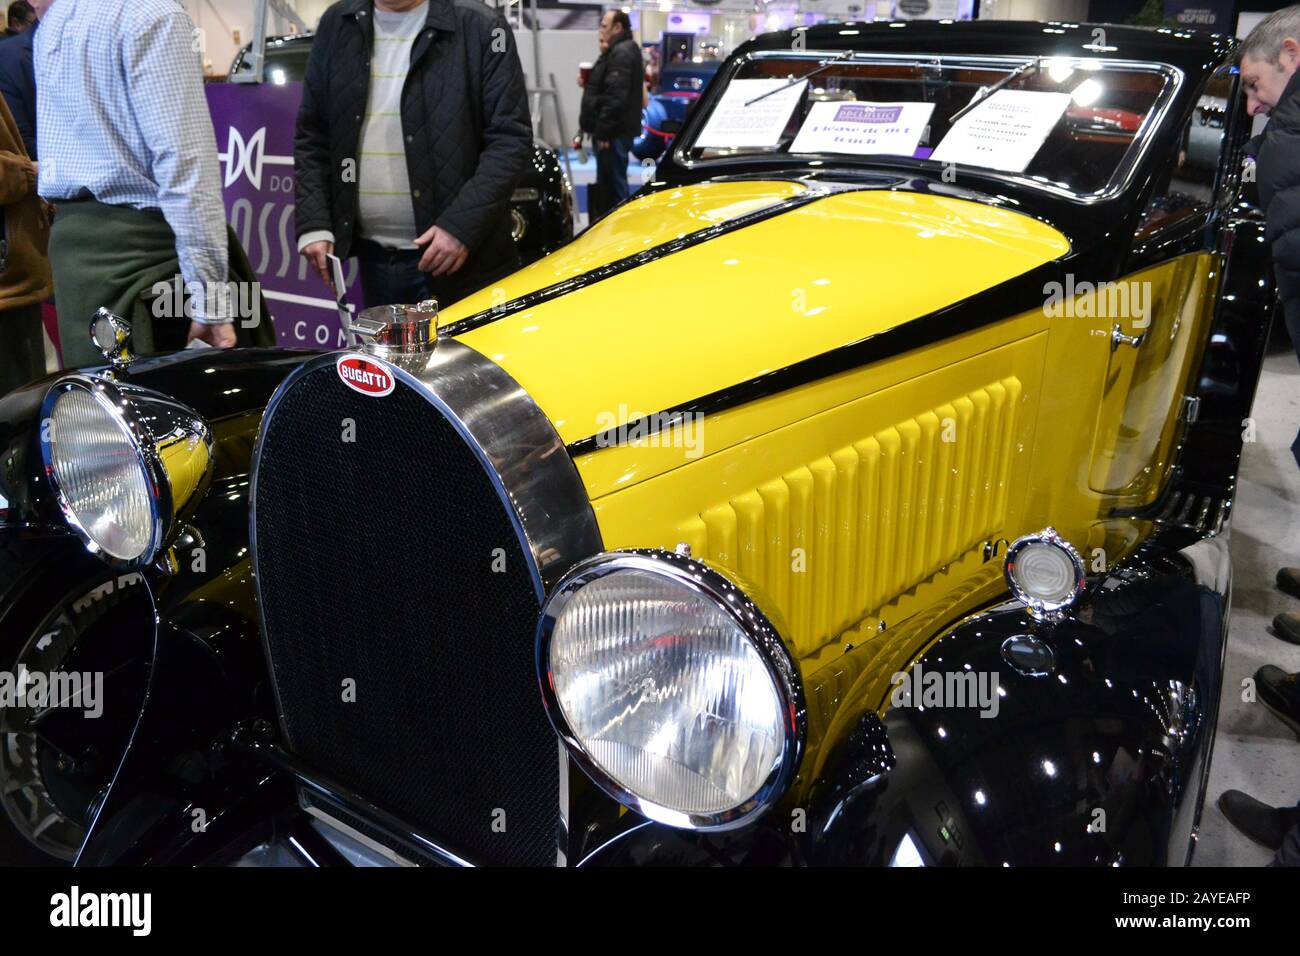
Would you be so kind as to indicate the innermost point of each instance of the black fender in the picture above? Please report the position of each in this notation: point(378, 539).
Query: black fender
point(206, 669)
point(177, 793)
point(1095, 750)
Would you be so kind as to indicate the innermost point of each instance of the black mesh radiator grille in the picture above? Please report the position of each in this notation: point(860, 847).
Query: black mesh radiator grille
point(375, 562)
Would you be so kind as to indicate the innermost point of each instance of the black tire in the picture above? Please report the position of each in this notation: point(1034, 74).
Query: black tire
point(45, 584)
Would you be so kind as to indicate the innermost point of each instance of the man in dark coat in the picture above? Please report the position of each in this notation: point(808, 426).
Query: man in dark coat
point(18, 79)
point(20, 17)
point(611, 108)
point(1269, 60)
point(413, 131)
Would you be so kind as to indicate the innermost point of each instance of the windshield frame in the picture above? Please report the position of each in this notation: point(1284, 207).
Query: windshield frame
point(1174, 79)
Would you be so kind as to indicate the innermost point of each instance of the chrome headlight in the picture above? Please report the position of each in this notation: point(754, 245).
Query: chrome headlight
point(126, 465)
point(1044, 572)
point(671, 688)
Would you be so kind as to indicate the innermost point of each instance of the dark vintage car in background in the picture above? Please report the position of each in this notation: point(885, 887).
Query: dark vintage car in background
point(542, 209)
point(575, 579)
point(680, 88)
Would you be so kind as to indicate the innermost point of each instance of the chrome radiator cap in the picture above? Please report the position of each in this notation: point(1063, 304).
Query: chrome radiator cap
point(398, 329)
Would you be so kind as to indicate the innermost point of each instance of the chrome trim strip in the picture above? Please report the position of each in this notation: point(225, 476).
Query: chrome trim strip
point(336, 794)
point(354, 834)
point(537, 480)
point(562, 848)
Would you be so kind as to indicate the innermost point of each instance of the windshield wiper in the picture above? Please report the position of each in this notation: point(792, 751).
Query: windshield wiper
point(825, 65)
point(1023, 70)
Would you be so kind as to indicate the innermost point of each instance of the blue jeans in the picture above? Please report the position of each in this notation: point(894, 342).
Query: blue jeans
point(391, 276)
point(611, 171)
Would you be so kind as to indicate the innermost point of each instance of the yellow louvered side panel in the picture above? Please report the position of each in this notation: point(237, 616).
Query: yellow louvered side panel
point(839, 538)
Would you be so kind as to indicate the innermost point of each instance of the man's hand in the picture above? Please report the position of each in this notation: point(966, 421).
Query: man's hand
point(445, 253)
point(602, 144)
point(318, 253)
point(218, 336)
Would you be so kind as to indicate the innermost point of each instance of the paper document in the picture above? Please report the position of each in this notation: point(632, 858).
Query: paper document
point(761, 123)
point(1005, 132)
point(863, 128)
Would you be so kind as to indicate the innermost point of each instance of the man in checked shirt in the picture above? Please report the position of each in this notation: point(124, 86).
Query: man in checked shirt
point(129, 158)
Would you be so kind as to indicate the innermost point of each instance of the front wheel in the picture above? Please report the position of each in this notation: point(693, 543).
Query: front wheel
point(72, 670)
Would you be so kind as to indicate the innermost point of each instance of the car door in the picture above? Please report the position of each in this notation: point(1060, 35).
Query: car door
point(1157, 315)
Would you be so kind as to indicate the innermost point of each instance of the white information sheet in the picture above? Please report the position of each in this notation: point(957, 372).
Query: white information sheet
point(1006, 131)
point(863, 128)
point(759, 124)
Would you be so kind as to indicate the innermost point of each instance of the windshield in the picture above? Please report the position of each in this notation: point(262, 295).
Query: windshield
point(1067, 124)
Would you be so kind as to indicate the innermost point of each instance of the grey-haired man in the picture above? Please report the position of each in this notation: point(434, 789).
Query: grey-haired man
point(1270, 57)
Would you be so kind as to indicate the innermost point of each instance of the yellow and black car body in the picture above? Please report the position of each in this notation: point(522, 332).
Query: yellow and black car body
point(841, 386)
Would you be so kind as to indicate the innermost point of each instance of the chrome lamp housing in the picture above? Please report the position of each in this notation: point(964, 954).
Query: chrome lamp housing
point(1045, 573)
point(128, 466)
point(671, 688)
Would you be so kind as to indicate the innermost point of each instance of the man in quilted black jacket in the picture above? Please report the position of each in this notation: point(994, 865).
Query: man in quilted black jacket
point(1269, 60)
point(413, 131)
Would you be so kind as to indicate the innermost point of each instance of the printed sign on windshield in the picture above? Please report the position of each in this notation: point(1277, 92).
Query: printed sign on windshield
point(863, 128)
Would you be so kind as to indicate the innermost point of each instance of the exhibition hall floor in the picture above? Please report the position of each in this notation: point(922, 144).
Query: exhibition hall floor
point(1254, 751)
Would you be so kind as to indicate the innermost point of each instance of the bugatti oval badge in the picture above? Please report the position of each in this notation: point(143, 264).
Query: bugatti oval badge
point(365, 375)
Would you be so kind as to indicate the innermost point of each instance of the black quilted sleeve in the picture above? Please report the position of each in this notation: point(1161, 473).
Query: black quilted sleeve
point(482, 202)
point(311, 141)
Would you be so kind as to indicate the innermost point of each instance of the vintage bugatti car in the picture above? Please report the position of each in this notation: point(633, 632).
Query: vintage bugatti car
point(899, 537)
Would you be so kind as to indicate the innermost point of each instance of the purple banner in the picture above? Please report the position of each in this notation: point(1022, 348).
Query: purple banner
point(254, 124)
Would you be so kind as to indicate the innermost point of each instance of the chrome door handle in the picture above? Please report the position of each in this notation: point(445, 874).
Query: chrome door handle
point(1118, 338)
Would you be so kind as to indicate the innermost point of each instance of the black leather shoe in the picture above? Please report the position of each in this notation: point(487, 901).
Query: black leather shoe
point(1287, 627)
point(1280, 693)
point(1288, 580)
point(1266, 825)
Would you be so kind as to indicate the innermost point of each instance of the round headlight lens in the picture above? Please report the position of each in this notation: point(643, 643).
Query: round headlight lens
point(101, 479)
point(1045, 572)
point(661, 683)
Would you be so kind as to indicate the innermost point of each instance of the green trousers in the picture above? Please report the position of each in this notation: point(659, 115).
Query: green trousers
point(113, 257)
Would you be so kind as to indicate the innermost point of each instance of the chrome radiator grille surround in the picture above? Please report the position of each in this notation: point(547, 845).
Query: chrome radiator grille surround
point(399, 597)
